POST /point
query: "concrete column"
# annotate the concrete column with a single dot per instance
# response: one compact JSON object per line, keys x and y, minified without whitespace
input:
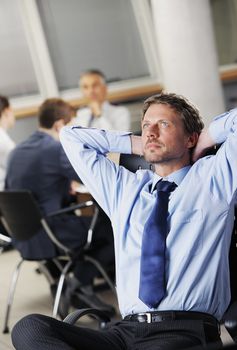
{"x":187,"y":53}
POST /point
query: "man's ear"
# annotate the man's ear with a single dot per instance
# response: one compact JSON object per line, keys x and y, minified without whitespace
{"x":57,"y":126}
{"x":192,"y":140}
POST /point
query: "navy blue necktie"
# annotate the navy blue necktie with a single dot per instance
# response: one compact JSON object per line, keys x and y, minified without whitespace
{"x":152,"y":272}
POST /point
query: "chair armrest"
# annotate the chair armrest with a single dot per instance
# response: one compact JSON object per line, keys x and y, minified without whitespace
{"x":71,"y":208}
{"x":5,"y":242}
{"x":65,"y":210}
{"x":5,"y":239}
{"x":99,"y":315}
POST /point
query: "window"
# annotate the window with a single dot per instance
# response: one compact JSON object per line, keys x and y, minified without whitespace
{"x":84,"y":34}
{"x":46,"y":44}
{"x":225,"y":27}
{"x":17,"y":73}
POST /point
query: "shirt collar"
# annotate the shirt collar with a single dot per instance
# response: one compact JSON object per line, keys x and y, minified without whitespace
{"x":177,"y":177}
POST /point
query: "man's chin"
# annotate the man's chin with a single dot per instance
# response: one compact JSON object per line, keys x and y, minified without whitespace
{"x":152,"y":158}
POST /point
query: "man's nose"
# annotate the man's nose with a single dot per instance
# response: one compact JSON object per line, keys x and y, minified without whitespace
{"x":153,"y":131}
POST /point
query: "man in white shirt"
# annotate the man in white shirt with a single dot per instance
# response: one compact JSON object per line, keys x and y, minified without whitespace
{"x":7,"y":120}
{"x":99,"y":113}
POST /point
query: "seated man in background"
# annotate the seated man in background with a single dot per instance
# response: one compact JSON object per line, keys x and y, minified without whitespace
{"x":40,"y":165}
{"x":99,"y":113}
{"x":172,"y":231}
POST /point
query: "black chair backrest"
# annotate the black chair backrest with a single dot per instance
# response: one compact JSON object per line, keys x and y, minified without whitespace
{"x":19,"y":210}
{"x":133,"y":162}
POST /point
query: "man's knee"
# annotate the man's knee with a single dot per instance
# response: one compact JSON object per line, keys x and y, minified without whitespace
{"x":28,"y":330}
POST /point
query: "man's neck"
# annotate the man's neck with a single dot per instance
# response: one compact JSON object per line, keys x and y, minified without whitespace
{"x":165,"y":169}
{"x":52,"y":132}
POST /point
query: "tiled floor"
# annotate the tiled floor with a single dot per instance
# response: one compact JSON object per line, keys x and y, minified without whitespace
{"x":32,"y":295}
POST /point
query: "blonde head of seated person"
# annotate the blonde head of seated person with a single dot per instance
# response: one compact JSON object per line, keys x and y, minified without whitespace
{"x":98,"y":112}
{"x":7,"y":121}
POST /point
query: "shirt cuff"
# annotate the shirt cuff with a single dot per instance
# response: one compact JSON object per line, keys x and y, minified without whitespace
{"x":120,"y":142}
{"x":223,"y":125}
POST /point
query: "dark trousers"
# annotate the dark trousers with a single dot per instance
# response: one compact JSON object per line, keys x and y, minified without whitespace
{"x":37,"y":332}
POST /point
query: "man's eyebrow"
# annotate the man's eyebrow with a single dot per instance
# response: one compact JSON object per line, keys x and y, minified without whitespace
{"x":146,"y":119}
{"x":161,"y":119}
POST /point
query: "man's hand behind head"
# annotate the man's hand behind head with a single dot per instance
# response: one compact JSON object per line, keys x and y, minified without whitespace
{"x":205,"y":142}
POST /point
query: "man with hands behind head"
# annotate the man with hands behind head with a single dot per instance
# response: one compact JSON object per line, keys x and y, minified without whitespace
{"x":172,"y":274}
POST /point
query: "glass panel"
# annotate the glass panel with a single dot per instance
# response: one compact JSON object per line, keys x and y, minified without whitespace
{"x":17,"y":74}
{"x":225,"y":27}
{"x":100,"y":34}
{"x":230,"y":95}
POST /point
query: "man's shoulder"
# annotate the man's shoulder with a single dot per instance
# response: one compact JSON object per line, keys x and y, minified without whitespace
{"x":83,"y":116}
{"x":202,"y":170}
{"x":21,"y":145}
{"x":38,"y":143}
{"x":83,"y":112}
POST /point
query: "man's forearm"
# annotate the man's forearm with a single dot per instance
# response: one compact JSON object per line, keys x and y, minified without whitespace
{"x":85,"y":141}
{"x":86,"y":149}
{"x":223,"y":125}
{"x":217,"y":132}
{"x":136,"y":142}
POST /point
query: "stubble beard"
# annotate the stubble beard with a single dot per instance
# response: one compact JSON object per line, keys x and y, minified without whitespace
{"x":154,"y":158}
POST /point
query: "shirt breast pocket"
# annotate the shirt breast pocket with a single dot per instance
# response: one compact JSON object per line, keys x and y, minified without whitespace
{"x":186,"y":228}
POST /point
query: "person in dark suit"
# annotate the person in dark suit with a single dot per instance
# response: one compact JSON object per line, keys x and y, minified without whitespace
{"x":40,"y":165}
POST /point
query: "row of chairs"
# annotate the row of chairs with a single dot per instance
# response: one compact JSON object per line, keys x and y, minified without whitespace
{"x":22,"y":219}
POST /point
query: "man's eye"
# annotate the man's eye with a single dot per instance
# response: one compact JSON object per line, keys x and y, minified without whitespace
{"x":145,"y":125}
{"x":164,"y":124}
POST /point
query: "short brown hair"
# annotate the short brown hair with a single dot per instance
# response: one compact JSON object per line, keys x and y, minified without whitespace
{"x":54,"y":109}
{"x":189,"y":114}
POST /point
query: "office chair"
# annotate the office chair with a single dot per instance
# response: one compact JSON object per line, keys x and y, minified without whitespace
{"x":134,"y":162}
{"x":21,"y":217}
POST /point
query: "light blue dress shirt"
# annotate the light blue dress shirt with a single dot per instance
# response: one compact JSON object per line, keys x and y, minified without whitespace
{"x":201,"y":215}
